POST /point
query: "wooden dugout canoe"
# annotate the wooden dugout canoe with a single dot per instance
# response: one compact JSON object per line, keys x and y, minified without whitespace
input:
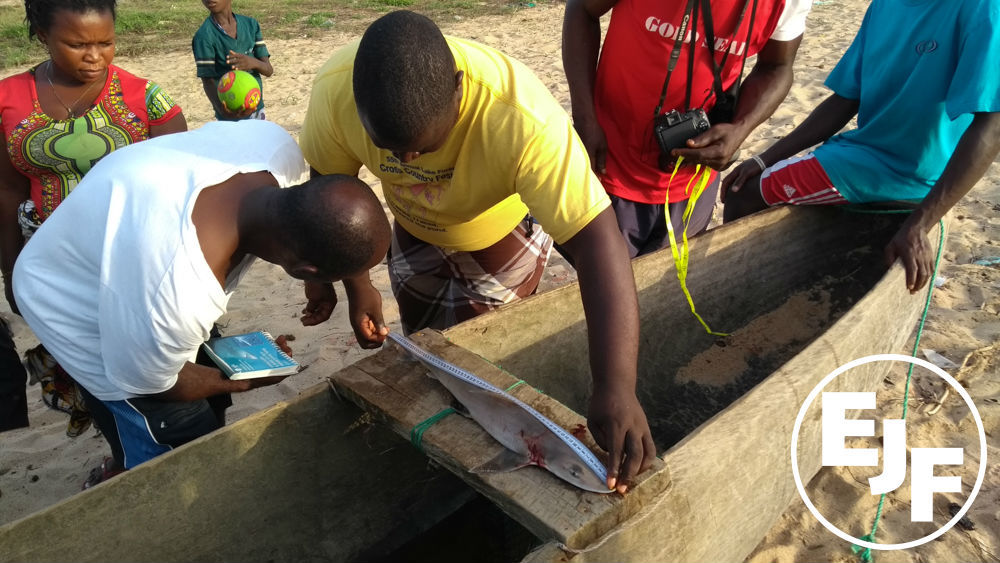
{"x":289,"y":483}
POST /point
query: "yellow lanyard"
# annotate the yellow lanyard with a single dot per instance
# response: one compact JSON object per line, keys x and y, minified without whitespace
{"x":700,"y":180}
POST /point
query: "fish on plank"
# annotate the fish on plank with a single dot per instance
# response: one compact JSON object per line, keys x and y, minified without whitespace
{"x":528,"y":436}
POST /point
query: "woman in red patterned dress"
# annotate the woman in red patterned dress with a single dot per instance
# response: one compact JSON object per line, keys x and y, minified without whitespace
{"x":59,"y":119}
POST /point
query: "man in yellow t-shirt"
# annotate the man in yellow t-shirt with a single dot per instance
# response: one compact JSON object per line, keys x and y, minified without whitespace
{"x":471,"y":150}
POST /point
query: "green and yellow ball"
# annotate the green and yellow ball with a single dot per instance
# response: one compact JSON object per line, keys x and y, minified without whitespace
{"x":238,"y":90}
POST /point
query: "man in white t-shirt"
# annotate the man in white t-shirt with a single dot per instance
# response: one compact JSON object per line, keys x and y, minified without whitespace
{"x":614,"y":101}
{"x":125,"y":280}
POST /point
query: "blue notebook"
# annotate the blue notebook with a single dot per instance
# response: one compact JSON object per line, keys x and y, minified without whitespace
{"x":246,"y":356}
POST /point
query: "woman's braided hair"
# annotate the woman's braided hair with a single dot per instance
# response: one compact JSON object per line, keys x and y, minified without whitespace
{"x":39,"y":13}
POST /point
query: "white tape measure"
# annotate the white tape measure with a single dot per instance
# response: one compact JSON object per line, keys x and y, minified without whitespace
{"x":577,"y":446}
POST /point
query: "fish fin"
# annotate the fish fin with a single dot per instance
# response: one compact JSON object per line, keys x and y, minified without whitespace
{"x":507,"y":460}
{"x":460,"y":408}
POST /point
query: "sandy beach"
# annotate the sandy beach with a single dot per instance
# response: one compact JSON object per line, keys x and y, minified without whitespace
{"x":40,"y":466}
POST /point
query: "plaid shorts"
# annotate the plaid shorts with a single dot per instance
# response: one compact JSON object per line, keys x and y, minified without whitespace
{"x":438,"y":288}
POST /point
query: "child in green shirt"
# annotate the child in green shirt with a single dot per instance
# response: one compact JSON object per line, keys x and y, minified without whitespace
{"x":228,"y":41}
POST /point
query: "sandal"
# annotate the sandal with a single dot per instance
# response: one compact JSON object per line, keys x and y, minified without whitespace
{"x":108,"y":469}
{"x":59,"y":391}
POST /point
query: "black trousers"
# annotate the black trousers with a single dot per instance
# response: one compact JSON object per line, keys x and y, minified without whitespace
{"x":13,"y":380}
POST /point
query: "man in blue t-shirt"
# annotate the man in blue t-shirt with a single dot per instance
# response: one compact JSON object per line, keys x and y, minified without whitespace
{"x":228,"y":41}
{"x":923,"y":78}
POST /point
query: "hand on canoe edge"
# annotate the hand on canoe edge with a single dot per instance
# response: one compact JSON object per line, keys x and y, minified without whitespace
{"x":914,"y":250}
{"x":619,"y":425}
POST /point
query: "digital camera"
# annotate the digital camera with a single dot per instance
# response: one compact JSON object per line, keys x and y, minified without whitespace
{"x":673,"y":129}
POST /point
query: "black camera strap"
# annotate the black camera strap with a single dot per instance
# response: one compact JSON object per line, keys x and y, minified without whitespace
{"x":676,"y":52}
{"x":692,"y":55}
{"x":706,"y":8}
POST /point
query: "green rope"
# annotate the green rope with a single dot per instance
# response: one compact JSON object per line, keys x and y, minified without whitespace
{"x":417,"y":432}
{"x":866,"y":555}
{"x":515,"y":385}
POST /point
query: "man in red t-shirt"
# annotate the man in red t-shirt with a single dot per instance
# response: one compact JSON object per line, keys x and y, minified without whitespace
{"x":614,"y":102}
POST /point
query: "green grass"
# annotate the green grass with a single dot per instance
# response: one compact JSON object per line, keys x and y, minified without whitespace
{"x":323,"y":19}
{"x":160,"y":26}
{"x":291,"y":16}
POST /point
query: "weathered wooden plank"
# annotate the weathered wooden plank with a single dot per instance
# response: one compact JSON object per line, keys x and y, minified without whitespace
{"x":398,"y":390}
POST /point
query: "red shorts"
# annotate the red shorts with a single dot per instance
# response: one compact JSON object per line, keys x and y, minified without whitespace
{"x":798,"y":181}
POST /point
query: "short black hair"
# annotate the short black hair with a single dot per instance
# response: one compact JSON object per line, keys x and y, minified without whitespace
{"x":404,"y":76}
{"x":336,"y":223}
{"x":38,"y":13}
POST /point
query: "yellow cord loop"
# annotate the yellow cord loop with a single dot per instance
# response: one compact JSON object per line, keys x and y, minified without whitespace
{"x":700,"y":180}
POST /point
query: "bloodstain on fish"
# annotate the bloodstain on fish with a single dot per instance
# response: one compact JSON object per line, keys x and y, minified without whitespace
{"x":535,"y":454}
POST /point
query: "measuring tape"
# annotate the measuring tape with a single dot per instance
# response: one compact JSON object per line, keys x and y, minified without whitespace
{"x":681,"y":255}
{"x":582,"y":451}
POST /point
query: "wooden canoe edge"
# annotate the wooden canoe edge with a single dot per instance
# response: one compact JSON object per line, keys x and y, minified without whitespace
{"x":731,"y":478}
{"x":240,"y":493}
